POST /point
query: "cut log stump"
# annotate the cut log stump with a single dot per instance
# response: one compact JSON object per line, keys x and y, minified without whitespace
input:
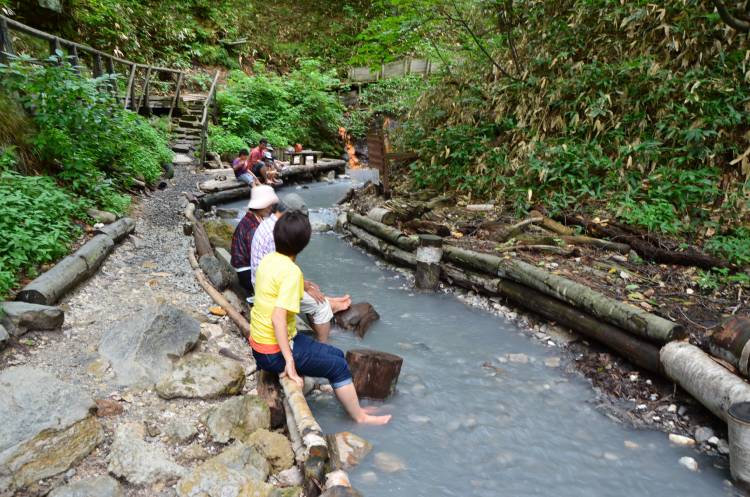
{"x":269,"y":389}
{"x":374,"y":373}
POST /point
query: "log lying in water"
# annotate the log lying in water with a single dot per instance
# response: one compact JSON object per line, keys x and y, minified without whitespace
{"x":387,"y":233}
{"x":389,"y":252}
{"x":374,"y":373}
{"x":695,"y":371}
{"x":639,"y":352}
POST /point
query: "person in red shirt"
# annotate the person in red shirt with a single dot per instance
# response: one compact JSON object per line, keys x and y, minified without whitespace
{"x":242,"y":171}
{"x":256,"y":154}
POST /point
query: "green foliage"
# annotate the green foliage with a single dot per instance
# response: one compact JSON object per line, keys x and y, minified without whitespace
{"x":714,"y":279}
{"x":296,"y":108}
{"x":93,"y":146}
{"x":224,"y":143}
{"x":36,"y":222}
{"x":735,"y":246}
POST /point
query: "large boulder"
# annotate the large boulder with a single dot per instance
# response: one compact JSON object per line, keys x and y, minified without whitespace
{"x":98,"y":486}
{"x":214,"y":271}
{"x":237,"y":418}
{"x":4,"y":336}
{"x":202,"y":376}
{"x":226,"y":474}
{"x":275,"y":447}
{"x":20,"y":317}
{"x":140,"y":347}
{"x":46,"y":426}
{"x":139,"y":462}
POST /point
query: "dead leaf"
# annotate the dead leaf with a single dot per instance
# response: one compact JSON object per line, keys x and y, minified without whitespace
{"x":217,"y":310}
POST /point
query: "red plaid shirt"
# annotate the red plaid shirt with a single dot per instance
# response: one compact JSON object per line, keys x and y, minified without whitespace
{"x":242,"y":240}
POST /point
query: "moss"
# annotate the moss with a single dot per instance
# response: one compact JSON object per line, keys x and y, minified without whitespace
{"x":219,"y":234}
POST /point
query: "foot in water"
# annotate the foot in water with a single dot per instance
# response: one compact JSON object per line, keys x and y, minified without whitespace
{"x":369,"y":419}
{"x":339,"y":304}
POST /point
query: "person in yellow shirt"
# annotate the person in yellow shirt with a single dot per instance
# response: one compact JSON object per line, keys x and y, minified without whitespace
{"x":277,"y":347}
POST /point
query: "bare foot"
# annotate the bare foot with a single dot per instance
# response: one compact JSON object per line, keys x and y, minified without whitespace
{"x":339,"y":304}
{"x":367,"y":419}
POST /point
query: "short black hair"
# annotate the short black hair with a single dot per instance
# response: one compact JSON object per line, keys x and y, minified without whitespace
{"x":291,"y":234}
{"x":263,"y":141}
{"x":244,"y":151}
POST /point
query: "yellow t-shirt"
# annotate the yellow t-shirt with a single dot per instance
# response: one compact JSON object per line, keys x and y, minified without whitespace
{"x":278,"y":283}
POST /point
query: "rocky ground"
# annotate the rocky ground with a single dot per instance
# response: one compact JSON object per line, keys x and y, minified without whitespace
{"x":624,"y":392}
{"x":123,"y":330}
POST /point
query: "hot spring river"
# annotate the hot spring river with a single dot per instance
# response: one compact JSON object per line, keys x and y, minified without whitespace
{"x":529,"y":430}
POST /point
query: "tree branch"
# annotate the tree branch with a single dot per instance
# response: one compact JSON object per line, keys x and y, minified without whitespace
{"x":730,"y":19}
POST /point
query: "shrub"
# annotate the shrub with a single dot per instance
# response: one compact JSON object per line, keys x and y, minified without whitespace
{"x":224,"y":143}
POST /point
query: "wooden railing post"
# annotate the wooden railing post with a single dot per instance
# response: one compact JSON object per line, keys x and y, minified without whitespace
{"x":6,"y":44}
{"x":74,"y":61}
{"x":113,"y":83}
{"x":145,"y":91}
{"x":55,"y":48}
{"x":97,"y":67}
{"x":204,"y":118}
{"x":176,"y":95}
{"x":130,"y":91}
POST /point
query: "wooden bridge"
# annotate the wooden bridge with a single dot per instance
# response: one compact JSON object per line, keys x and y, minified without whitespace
{"x":138,"y":94}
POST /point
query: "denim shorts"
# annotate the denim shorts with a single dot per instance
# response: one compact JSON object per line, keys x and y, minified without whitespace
{"x":311,"y":358}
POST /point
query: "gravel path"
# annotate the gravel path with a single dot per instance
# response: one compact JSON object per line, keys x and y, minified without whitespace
{"x":148,"y":267}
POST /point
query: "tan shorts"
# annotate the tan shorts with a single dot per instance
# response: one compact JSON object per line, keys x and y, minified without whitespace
{"x":319,"y":313}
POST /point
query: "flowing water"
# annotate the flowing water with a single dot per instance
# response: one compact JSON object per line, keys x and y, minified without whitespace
{"x":460,"y":429}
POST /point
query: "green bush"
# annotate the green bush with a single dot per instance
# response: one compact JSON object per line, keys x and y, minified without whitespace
{"x":36,"y":220}
{"x":295,"y":108}
{"x":84,"y":137}
{"x":224,"y":143}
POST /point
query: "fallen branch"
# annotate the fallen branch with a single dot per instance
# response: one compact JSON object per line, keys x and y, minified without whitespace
{"x":552,"y":225}
{"x":551,"y":249}
{"x":622,"y":248}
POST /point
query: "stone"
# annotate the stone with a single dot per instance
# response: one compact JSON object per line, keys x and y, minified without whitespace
{"x":340,"y":491}
{"x":140,"y":347}
{"x":211,"y":331}
{"x":552,"y":362}
{"x":722,"y":446}
{"x":351,"y":448}
{"x":214,"y":271}
{"x":194,"y":452}
{"x":680,"y":439}
{"x":53,"y":5}
{"x":139,"y":462}
{"x":98,"y":486}
{"x":227,"y":213}
{"x":337,"y":478}
{"x":107,"y":407}
{"x":713,"y":441}
{"x":20,"y":317}
{"x":225,"y":475}
{"x":202,"y":376}
{"x":518,"y":358}
{"x":629,"y":444}
{"x":46,"y":426}
{"x":703,"y":433}
{"x":4,"y":336}
{"x":103,"y":217}
{"x":291,"y":477}
{"x":255,"y":488}
{"x":286,"y":492}
{"x":179,"y":430}
{"x":237,"y":418}
{"x":689,"y":463}
{"x":219,"y":233}
{"x":389,"y":463}
{"x":275,"y":447}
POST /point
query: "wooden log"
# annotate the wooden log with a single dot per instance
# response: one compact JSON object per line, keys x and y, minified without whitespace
{"x":732,"y":343}
{"x":384,"y":232}
{"x":118,"y":230}
{"x":429,"y":253}
{"x":550,"y":249}
{"x":217,"y":297}
{"x":581,"y":240}
{"x":694,"y":370}
{"x":213,"y":185}
{"x":176,"y":100}
{"x":269,"y":389}
{"x":382,"y":215}
{"x":387,"y":251}
{"x":357,"y":318}
{"x":486,"y":263}
{"x":130,"y":89}
{"x":211,"y":199}
{"x":202,"y":243}
{"x":638,"y":352}
{"x":374,"y":373}
{"x":501,"y":233}
{"x":52,"y":285}
{"x":552,"y":225}
{"x":626,"y":316}
{"x":95,"y":251}
{"x":294,"y":437}
{"x":98,"y":67}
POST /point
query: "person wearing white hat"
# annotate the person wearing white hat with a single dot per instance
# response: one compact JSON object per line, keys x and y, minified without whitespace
{"x":262,"y":200}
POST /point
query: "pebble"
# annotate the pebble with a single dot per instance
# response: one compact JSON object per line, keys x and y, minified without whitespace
{"x":633,"y":377}
{"x":722,"y":446}
{"x":369,"y":477}
{"x":609,"y":456}
{"x":629,"y":444}
{"x":703,"y":434}
{"x":518,"y":358}
{"x":672,"y":408}
{"x":689,"y":463}
{"x":680,"y":439}
{"x":713,"y":441}
{"x":552,"y":362}
{"x":389,"y":463}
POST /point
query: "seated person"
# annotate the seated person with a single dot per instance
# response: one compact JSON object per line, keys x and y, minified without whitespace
{"x":256,"y":154}
{"x":240,"y":168}
{"x":277,"y":347}
{"x":262,"y":199}
{"x":319,"y":307}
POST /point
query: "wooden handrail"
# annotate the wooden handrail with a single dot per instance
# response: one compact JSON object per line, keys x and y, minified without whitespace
{"x":204,"y":117}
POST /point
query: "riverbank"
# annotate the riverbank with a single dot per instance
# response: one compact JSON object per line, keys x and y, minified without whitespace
{"x":626,"y":392}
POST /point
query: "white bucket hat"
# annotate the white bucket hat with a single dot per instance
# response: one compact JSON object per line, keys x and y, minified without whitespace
{"x":261,"y":197}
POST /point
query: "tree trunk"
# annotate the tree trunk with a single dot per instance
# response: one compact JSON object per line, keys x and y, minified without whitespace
{"x":118,"y":230}
{"x":374,"y":373}
{"x":382,"y":215}
{"x":211,"y":199}
{"x":622,"y":248}
{"x":552,"y":225}
{"x":694,"y":370}
{"x":269,"y":389}
{"x":638,"y":352}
